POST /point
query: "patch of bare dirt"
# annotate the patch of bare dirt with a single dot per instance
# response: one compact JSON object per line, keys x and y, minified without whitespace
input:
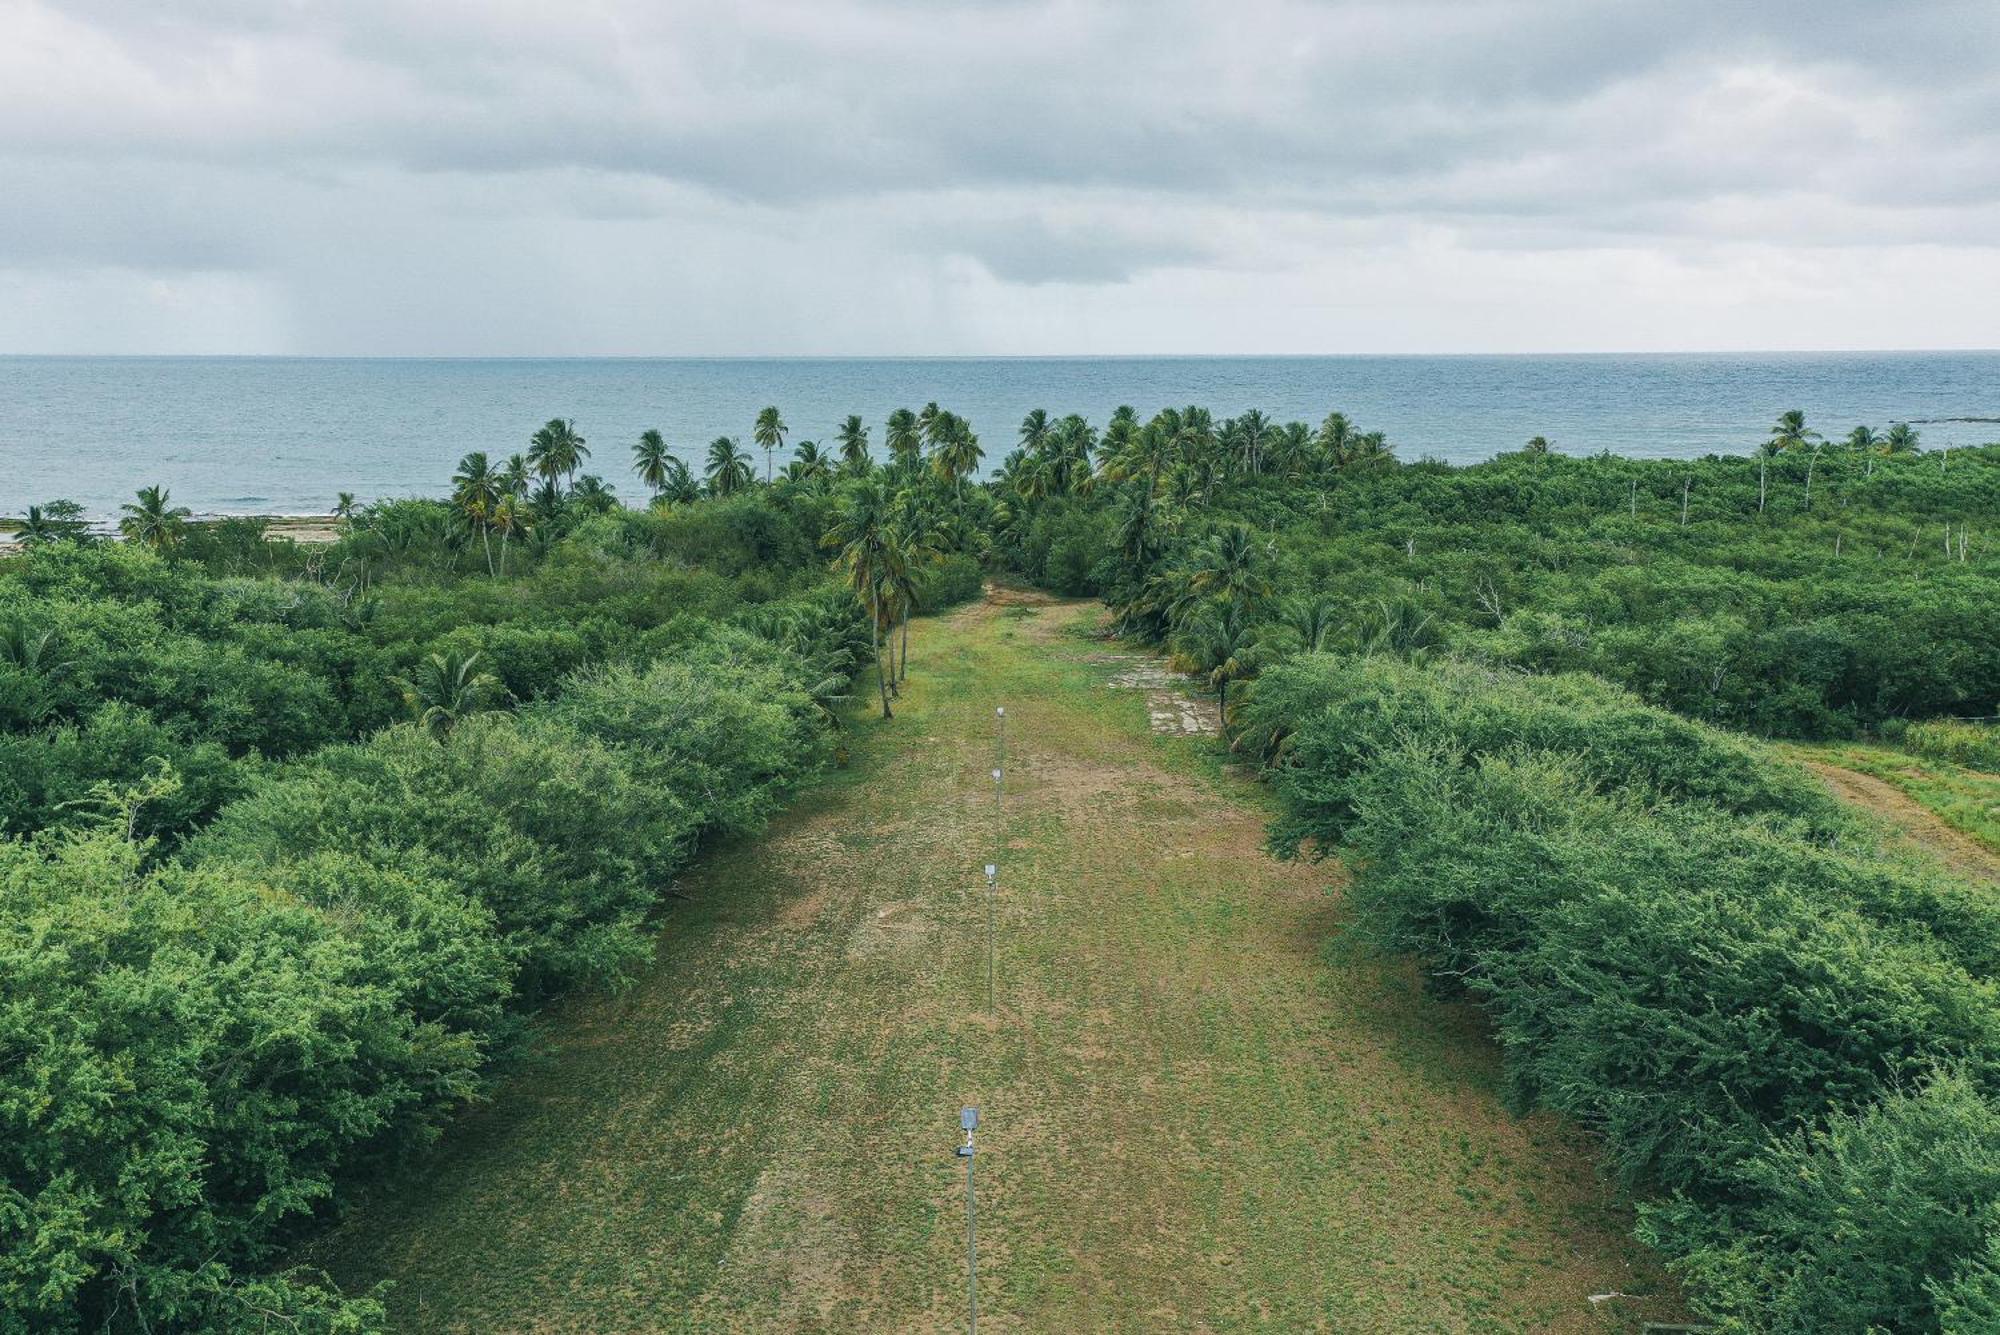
{"x":1007,"y":595}
{"x":1960,"y":852}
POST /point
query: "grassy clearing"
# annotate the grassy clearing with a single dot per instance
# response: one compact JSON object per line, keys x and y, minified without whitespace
{"x":1949,"y":809}
{"x":1199,"y":1115}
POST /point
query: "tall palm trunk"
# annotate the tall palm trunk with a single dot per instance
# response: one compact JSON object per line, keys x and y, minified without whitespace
{"x":904,"y":671}
{"x":875,"y":642}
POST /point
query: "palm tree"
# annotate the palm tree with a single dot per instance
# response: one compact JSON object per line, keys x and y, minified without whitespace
{"x":1197,"y":439}
{"x":1311,"y":619}
{"x":32,"y":654}
{"x":927,"y":423}
{"x":1146,"y":451}
{"x":679,"y":486}
{"x":1863,"y":439}
{"x":1027,"y":476}
{"x":1293,"y":448}
{"x":343,"y":507}
{"x":1035,"y":430}
{"x":853,"y":436}
{"x":594,"y":495}
{"x":958,"y":452}
{"x":546,"y":501}
{"x":1901,"y":439}
{"x":1221,"y":644}
{"x":514,"y":477}
{"x":1230,"y":567}
{"x":556,"y":450}
{"x":918,"y":538}
{"x":37,"y":528}
{"x":1399,"y":625}
{"x":1137,"y":528}
{"x":905,"y":435}
{"x":770,"y":433}
{"x":1345,"y":447}
{"x":29,"y":651}
{"x":445,"y":690}
{"x":1118,"y":432}
{"x":729,"y":467}
{"x":475,"y":490}
{"x":1790,"y":433}
{"x":153,"y":521}
{"x":1536,"y":445}
{"x":862,"y":535}
{"x":1370,"y":449}
{"x":810,"y":465}
{"x":1070,"y":443}
{"x":508,"y":519}
{"x":1253,"y":436}
{"x":1336,"y":434}
{"x":649,"y":460}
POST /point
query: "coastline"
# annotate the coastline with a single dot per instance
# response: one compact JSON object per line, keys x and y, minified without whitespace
{"x":308,"y":530}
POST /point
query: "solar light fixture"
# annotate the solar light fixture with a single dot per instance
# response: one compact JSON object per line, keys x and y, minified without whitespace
{"x":968,"y":1119}
{"x":996,"y":774}
{"x":991,"y":871}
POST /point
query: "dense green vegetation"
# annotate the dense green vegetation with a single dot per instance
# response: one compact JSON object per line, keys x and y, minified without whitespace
{"x":1961,"y":743}
{"x":1721,"y":588}
{"x":1493,"y":690}
{"x":298,"y":837}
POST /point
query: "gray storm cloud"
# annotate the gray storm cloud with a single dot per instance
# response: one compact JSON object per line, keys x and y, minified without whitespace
{"x":902,"y":177}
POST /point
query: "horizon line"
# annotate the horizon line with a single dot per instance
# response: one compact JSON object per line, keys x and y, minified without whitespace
{"x":979,"y":356}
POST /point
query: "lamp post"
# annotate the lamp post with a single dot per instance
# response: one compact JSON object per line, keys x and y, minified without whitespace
{"x":968,"y":1119}
{"x":992,"y":895}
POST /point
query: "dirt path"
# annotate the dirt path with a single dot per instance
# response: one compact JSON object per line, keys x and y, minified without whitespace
{"x":1962,"y":853}
{"x":1198,"y":1115}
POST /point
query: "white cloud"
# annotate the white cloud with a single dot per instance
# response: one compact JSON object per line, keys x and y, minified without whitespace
{"x":1068,"y":175}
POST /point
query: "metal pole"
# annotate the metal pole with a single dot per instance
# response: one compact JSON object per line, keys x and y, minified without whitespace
{"x":971,"y":1252}
{"x":968,"y":1119}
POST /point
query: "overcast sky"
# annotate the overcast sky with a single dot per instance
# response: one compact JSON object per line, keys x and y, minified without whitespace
{"x":904,"y":176}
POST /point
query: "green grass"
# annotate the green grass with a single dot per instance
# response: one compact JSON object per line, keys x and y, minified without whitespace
{"x":1202,"y":1110}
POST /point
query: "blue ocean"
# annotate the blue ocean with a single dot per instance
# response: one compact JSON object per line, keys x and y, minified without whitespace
{"x":230,"y":435}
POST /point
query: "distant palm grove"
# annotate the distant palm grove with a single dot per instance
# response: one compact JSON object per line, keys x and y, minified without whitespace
{"x":299,"y":837}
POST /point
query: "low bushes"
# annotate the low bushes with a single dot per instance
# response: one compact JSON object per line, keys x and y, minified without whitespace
{"x":953,"y":580}
{"x":1789,"y":1042}
{"x":200,"y":1053}
{"x":192,"y":1053}
{"x":1969,"y":744}
{"x":1329,"y":715}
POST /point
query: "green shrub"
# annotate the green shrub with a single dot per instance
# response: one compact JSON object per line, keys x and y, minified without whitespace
{"x":546,"y":828}
{"x":955,"y":579}
{"x":1886,"y":1218}
{"x":721,"y":731}
{"x":54,"y":778}
{"x":1683,"y":946}
{"x":194,"y":1054}
{"x":1973,"y":745}
{"x":1322,"y":718}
